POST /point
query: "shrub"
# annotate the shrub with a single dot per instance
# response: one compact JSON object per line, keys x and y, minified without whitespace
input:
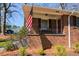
{"x":41,"y":52}
{"x":76,"y":47}
{"x":60,"y":50}
{"x":7,"y":45}
{"x":22,"y":33}
{"x":22,"y":51}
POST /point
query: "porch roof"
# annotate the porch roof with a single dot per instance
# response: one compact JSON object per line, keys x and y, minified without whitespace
{"x":48,"y":11}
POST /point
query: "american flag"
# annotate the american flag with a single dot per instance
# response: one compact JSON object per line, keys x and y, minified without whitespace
{"x":29,"y":20}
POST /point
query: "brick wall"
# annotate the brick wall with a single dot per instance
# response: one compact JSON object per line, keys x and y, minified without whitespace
{"x":74,"y":31}
{"x":47,"y":41}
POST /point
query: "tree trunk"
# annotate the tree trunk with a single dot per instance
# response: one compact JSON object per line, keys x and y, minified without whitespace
{"x":0,"y":25}
{"x":4,"y":19}
{"x":0,"y":21}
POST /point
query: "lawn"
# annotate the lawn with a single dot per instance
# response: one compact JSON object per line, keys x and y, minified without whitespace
{"x":6,"y":44}
{"x":3,"y":43}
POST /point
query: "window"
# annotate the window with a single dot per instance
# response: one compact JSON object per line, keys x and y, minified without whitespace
{"x":77,"y":21}
{"x":44,"y":24}
{"x":50,"y":26}
{"x":73,"y":21}
{"x":56,"y":27}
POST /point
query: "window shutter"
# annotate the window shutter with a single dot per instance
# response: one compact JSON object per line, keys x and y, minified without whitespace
{"x":39,"y":23}
{"x":50,"y":24}
{"x":59,"y":26}
{"x":74,"y":20}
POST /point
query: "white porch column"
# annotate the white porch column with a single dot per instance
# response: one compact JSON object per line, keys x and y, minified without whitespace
{"x":69,"y":41}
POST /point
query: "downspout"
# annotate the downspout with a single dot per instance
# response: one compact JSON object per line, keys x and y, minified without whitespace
{"x":69,"y":35}
{"x":69,"y":42}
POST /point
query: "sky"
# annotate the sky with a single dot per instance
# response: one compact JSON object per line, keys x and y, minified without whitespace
{"x":18,"y":18}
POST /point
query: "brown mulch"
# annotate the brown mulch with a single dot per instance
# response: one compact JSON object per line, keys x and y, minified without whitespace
{"x":4,"y":36}
{"x":32,"y":52}
{"x":9,"y":53}
{"x":71,"y":52}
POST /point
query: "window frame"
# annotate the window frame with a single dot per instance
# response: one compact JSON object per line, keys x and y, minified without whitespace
{"x":48,"y":30}
{"x":47,"y":25}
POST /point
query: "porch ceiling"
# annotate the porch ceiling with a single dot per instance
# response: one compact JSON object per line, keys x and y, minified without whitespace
{"x":39,"y":12}
{"x":46,"y":16}
{"x":76,"y":14}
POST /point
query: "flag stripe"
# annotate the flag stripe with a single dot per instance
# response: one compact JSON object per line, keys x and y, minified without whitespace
{"x":29,"y":22}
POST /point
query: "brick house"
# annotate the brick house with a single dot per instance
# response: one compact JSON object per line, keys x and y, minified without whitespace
{"x":52,"y":26}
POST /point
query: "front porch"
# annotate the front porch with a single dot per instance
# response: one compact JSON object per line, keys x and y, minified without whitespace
{"x":51,"y":26}
{"x":47,"y":23}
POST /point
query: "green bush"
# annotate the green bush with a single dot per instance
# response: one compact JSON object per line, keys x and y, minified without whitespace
{"x":22,"y":33}
{"x":7,"y":45}
{"x":41,"y":52}
{"x":60,"y":50}
{"x":76,"y":47}
{"x":22,"y":51}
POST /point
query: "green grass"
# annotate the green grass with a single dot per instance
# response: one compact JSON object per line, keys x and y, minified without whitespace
{"x":6,"y":44}
{"x":2,"y":44}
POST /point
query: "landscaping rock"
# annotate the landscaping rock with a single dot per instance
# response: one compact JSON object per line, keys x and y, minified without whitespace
{"x":16,"y":44}
{"x":2,"y":49}
{"x":24,"y":42}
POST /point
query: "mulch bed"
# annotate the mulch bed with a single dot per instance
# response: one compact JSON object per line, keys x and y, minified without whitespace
{"x":4,"y":36}
{"x":31,"y":52}
{"x":9,"y":53}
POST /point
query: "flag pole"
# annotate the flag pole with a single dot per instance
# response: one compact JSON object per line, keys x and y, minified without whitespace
{"x":69,"y":35}
{"x":29,"y":30}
